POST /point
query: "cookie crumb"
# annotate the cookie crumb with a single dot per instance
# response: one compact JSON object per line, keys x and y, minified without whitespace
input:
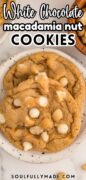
{"x":83,"y":167}
{"x":43,"y":152}
{"x":61,"y":176}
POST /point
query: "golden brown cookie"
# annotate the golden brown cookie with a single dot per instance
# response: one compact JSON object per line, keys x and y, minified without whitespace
{"x":1,"y":13}
{"x":39,"y":114}
{"x":56,"y":67}
{"x":80,"y":36}
{"x":2,"y":20}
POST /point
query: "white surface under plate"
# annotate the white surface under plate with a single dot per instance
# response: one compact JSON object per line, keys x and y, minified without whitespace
{"x":3,"y":34}
{"x":32,"y":156}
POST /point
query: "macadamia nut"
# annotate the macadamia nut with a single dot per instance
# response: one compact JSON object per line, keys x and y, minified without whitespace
{"x":27,"y":146}
{"x":36,"y":130}
{"x":57,"y":115}
{"x":45,"y":136}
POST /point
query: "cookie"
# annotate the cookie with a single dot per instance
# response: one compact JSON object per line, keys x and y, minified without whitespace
{"x":56,"y":67}
{"x":39,"y":114}
{"x":2,"y":20}
{"x":1,"y":13}
{"x":80,"y":36}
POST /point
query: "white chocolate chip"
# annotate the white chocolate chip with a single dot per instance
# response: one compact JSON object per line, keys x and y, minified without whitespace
{"x":41,"y":74}
{"x":27,"y":146}
{"x":63,"y":128}
{"x":2,"y":119}
{"x":61,"y":95}
{"x":57,"y":115}
{"x":17,"y":103}
{"x":64,"y":81}
{"x":45,"y":136}
{"x":36,"y":130}
{"x":43,"y":101}
{"x":34,"y":113}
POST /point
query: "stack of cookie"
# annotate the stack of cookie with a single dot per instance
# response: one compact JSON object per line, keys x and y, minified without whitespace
{"x":44,"y":99}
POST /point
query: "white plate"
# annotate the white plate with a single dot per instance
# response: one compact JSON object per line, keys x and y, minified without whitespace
{"x":36,"y":157}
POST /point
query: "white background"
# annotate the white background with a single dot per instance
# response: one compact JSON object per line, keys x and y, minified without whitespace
{"x":10,"y":165}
